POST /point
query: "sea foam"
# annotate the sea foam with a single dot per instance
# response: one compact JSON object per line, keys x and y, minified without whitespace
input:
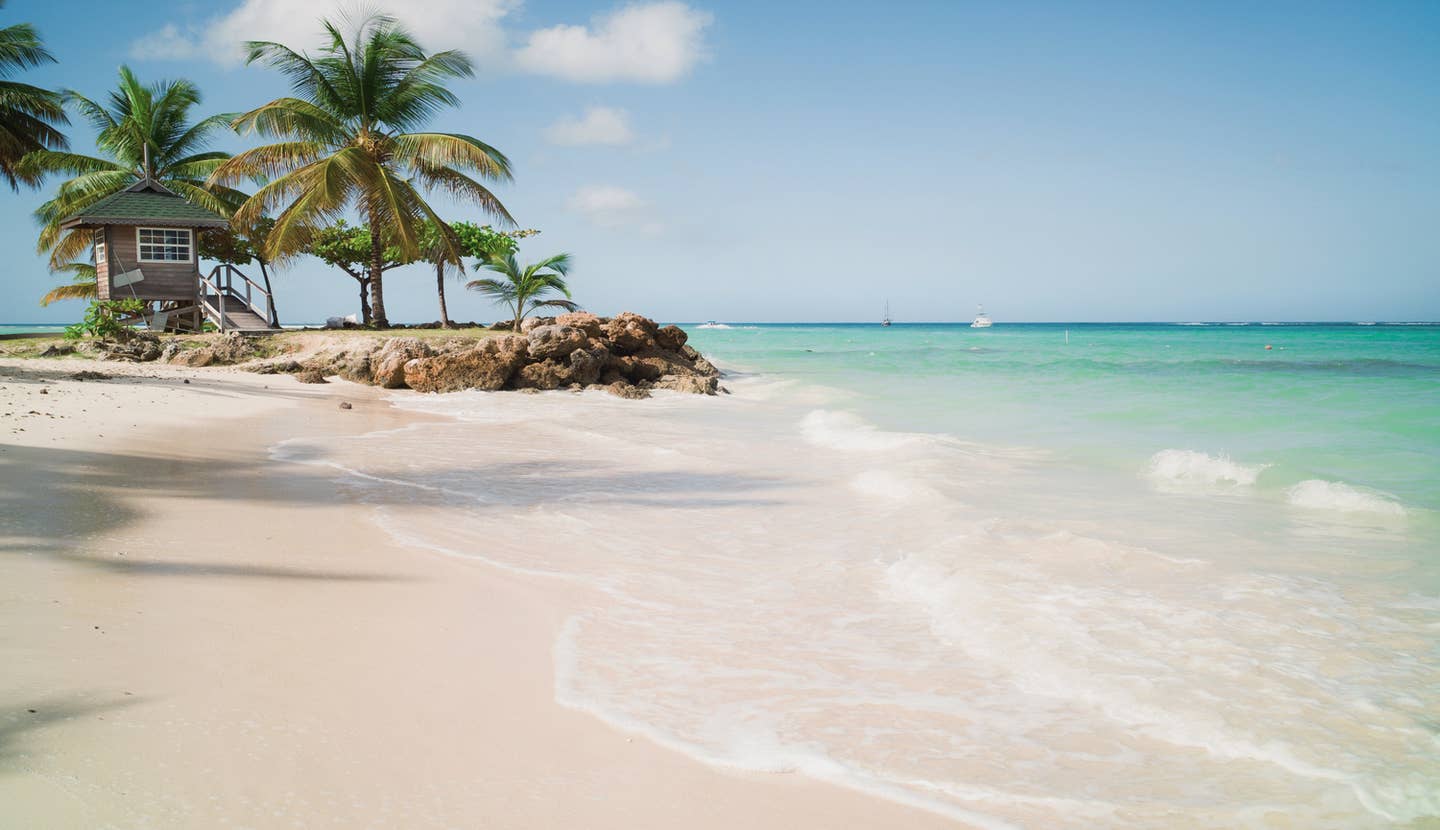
{"x":1186,"y":469}
{"x":1339,"y":497}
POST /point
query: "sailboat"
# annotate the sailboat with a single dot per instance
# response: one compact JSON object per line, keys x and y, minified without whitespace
{"x":886,"y":320}
{"x":982,"y":320}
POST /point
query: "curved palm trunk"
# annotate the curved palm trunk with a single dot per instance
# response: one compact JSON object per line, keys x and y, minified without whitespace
{"x":265,"y":275}
{"x":440,"y":287}
{"x":364,"y":301}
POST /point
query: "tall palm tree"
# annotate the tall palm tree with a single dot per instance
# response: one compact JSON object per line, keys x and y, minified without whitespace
{"x":29,"y":115}
{"x":523,"y":290}
{"x":144,"y":131}
{"x":348,"y":141}
{"x":81,"y":287}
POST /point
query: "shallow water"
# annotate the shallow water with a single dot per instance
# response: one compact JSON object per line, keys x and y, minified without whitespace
{"x":1157,"y":577}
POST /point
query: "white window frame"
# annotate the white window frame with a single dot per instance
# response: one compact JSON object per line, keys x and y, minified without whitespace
{"x":99,"y":241}
{"x":140,"y":247}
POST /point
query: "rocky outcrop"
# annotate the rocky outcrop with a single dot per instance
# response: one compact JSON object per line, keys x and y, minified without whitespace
{"x":627,"y":355}
{"x":488,"y":365}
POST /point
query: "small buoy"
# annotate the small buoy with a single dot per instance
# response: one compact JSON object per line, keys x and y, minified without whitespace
{"x":1268,"y":347}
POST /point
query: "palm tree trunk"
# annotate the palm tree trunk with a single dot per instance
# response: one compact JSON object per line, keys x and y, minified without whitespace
{"x":364,"y":300}
{"x":265,"y":275}
{"x":440,"y":287}
{"x":377,"y":274}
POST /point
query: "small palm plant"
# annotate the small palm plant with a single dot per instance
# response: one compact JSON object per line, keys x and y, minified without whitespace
{"x":524,"y":290}
{"x":81,"y":287}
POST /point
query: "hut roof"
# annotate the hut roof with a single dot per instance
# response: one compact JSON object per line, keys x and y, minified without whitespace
{"x":145,"y":203}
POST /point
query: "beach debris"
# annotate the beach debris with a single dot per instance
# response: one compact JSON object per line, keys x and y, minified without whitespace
{"x":57,"y":350}
{"x":44,"y":391}
{"x":346,"y":405}
{"x":187,"y":380}
{"x":88,"y":375}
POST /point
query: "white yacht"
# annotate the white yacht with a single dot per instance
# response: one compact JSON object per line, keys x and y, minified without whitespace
{"x":982,"y":320}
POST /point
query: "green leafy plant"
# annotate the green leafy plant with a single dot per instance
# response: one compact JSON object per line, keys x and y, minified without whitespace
{"x":523,"y":289}
{"x":104,"y":319}
{"x":29,"y":116}
{"x":477,"y":241}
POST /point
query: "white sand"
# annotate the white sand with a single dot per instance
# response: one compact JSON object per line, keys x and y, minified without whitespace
{"x":208,"y":638}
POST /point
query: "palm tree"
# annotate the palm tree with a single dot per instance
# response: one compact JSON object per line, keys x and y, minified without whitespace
{"x":522,"y":290}
{"x":144,"y":132}
{"x":29,"y":115}
{"x":82,"y":287}
{"x":347,"y":141}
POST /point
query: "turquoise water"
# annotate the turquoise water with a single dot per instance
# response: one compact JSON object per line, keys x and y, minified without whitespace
{"x":1156,"y":577}
{"x":1356,"y":404}
{"x":38,"y":328}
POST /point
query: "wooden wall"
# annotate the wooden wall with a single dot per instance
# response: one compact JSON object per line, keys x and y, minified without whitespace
{"x":163,"y":280}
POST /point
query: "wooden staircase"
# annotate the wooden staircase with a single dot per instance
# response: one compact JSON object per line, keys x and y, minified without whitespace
{"x":228,"y":299}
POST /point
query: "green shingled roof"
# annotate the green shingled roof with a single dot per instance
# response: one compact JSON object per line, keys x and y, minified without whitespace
{"x":145,"y":207}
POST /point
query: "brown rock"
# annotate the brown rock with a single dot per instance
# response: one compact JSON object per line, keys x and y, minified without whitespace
{"x":671,"y":338}
{"x":527,"y":326}
{"x":387,"y":366}
{"x":488,"y":365}
{"x":586,"y":365}
{"x":695,"y":384}
{"x":547,"y":374}
{"x":554,"y":341}
{"x":621,"y":389}
{"x":628,"y":333}
{"x":311,"y":376}
{"x":583,"y":320}
{"x":195,"y":357}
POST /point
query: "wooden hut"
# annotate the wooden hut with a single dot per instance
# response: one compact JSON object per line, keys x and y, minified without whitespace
{"x":147,"y":249}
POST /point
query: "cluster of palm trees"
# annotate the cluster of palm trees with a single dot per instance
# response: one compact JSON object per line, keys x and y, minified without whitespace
{"x":351,"y":140}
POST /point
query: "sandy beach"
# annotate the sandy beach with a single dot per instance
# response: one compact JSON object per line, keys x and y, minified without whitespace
{"x":198,"y":635}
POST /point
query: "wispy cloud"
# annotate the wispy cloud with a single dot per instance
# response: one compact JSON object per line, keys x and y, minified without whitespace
{"x":599,"y":125}
{"x":654,"y":43}
{"x":657,"y":42}
{"x":609,"y":206}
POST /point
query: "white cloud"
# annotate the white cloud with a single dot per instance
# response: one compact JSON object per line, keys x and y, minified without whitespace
{"x":169,"y":43}
{"x":645,"y":42}
{"x":599,"y":125}
{"x":608,"y":206}
{"x":472,"y":25}
{"x":657,"y":42}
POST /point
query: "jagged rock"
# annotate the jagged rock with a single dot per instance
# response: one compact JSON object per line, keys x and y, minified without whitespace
{"x":585,"y":321}
{"x":57,"y":350}
{"x":234,"y":348}
{"x":488,"y":365}
{"x":387,"y":366}
{"x":283,"y":367}
{"x":586,"y":366}
{"x":311,"y":376}
{"x":629,"y":333}
{"x":554,"y":341}
{"x":694,"y":384}
{"x":689,"y":353}
{"x":503,"y":325}
{"x":138,"y":347}
{"x":547,"y":374}
{"x":706,"y":368}
{"x":621,"y":389}
{"x":193,"y":357}
{"x":634,"y":369}
{"x":169,"y":351}
{"x":356,"y":369}
{"x":671,"y":338}
{"x":527,"y":326}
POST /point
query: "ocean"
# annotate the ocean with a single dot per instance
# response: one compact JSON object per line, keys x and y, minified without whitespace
{"x":1061,"y":576}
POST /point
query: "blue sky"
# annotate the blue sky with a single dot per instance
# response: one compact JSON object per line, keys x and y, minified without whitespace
{"x":810,"y":160}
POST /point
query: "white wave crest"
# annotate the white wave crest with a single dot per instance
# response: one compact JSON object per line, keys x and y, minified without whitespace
{"x":1316,"y":494}
{"x":847,"y":431}
{"x":1184,"y":469}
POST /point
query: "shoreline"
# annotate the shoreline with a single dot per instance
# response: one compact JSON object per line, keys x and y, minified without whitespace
{"x":283,"y":666}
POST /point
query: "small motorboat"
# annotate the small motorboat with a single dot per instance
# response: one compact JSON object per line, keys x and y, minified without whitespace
{"x":982,"y":320}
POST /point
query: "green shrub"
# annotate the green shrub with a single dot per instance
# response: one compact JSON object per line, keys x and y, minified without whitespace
{"x":102,"y":319}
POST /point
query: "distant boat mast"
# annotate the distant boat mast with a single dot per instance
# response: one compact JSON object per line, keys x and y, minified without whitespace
{"x":886,"y":320}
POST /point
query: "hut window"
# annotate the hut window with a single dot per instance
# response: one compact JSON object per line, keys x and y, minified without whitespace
{"x":163,"y":244}
{"x":100,"y":247}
